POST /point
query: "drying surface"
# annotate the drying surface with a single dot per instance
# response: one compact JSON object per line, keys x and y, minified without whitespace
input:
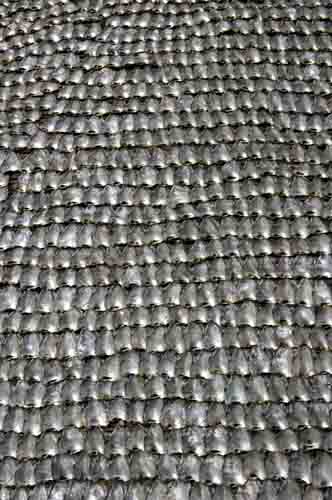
{"x":165,"y":250}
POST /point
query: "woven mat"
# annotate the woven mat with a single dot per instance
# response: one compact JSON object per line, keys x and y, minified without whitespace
{"x":165,"y":250}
